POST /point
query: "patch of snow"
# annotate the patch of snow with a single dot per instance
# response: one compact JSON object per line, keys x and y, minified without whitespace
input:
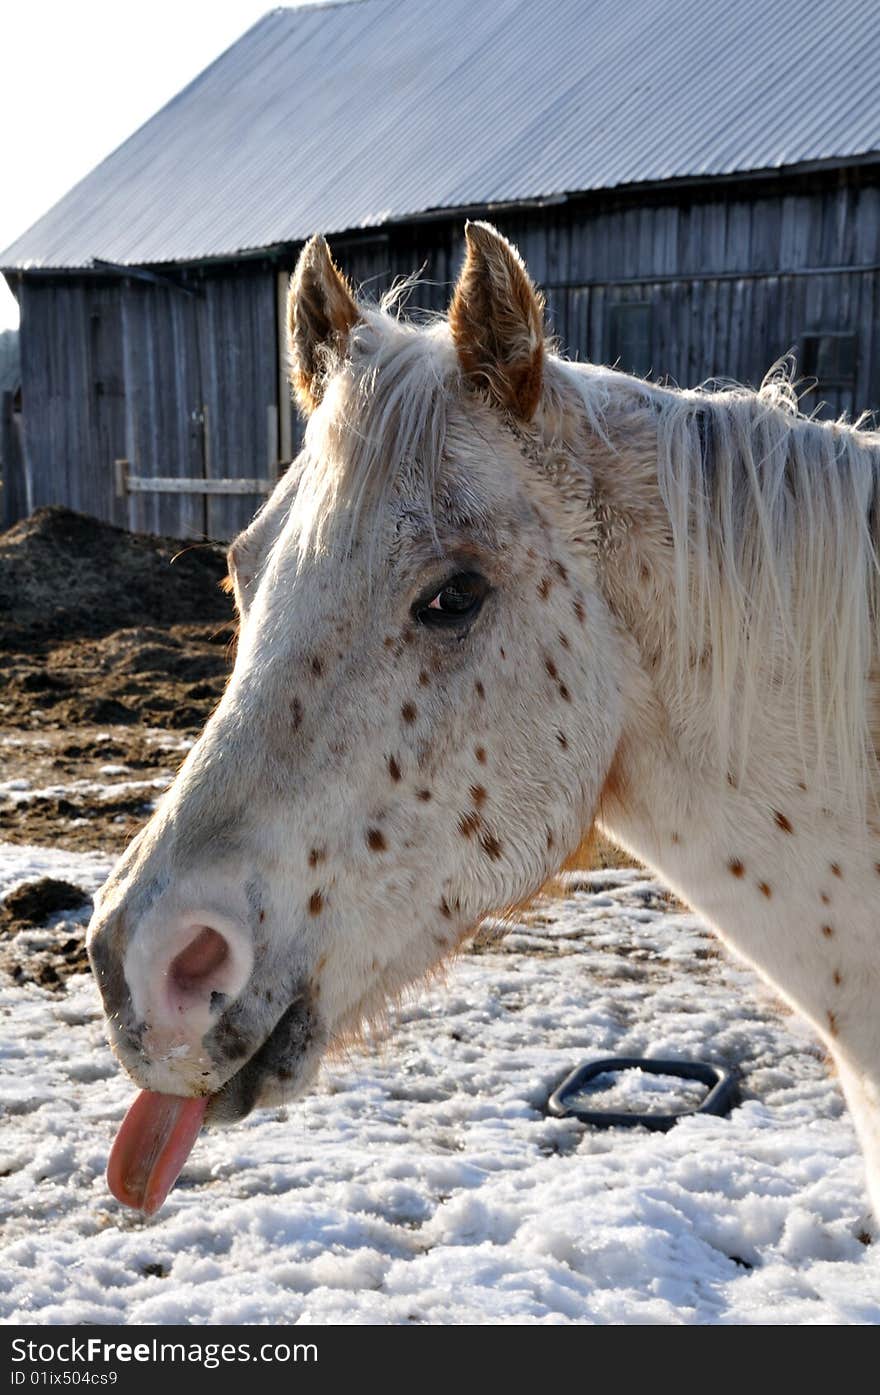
{"x":20,"y":792}
{"x":426,"y":1183}
{"x":23,"y":862}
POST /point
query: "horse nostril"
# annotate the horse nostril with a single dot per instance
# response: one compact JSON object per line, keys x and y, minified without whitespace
{"x":196,"y":966}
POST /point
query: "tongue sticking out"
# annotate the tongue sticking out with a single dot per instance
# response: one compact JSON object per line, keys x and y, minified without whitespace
{"x":154,"y":1141}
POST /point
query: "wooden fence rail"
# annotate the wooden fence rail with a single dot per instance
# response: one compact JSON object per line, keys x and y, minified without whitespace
{"x":127,"y":483}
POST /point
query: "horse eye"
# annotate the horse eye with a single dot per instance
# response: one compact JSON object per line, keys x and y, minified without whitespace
{"x":457,"y":601}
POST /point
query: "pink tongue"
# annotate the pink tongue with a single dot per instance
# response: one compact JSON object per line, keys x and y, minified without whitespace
{"x":154,"y":1141}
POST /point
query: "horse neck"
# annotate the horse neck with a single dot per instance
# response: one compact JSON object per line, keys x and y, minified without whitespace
{"x":786,"y":880}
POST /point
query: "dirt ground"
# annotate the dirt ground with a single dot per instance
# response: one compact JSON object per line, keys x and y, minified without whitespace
{"x":114,"y":649}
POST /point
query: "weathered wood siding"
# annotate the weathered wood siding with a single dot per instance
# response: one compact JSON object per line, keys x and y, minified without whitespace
{"x":178,"y":381}
{"x":687,"y":284}
{"x":13,"y":483}
{"x":733,"y":279}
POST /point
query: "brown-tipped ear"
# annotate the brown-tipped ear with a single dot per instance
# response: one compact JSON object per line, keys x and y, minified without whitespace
{"x":497,"y":322}
{"x":321,"y":313}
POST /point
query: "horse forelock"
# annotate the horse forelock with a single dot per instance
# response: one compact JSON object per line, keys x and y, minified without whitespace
{"x":385,"y":414}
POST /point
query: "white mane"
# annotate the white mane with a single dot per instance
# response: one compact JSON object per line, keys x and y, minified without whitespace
{"x":774,"y":526}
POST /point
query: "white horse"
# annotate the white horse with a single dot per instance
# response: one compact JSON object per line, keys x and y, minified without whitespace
{"x":498,"y":597}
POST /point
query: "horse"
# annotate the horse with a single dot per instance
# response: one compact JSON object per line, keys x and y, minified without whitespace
{"x":498,"y":599}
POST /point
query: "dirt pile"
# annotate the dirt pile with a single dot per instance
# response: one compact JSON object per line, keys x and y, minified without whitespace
{"x":114,"y":649}
{"x":42,"y":932}
{"x":64,"y":575}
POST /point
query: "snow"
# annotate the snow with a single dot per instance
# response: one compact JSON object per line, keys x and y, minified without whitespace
{"x":21,"y":792}
{"x":423,"y":1181}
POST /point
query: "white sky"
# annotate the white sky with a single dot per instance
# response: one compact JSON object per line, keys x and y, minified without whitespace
{"x":77,"y":78}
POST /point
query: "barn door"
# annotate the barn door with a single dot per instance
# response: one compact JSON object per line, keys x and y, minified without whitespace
{"x":240,"y":381}
{"x":165,"y":406}
{"x":95,"y":492}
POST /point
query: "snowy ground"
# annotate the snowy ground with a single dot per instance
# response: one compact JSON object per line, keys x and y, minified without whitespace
{"x":425,"y":1183}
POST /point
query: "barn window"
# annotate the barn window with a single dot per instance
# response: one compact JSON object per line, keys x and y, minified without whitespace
{"x":830,"y":356}
{"x":630,"y":337}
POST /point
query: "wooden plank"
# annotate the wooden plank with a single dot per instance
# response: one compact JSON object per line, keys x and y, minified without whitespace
{"x":240,"y":377}
{"x":285,"y":401}
{"x":13,"y":485}
{"x":181,"y":484}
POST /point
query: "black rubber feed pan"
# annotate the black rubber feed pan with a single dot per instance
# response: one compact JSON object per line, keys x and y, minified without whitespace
{"x":568,"y":1101}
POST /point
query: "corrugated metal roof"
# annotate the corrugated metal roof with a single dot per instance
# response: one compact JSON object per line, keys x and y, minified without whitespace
{"x":353,"y":115}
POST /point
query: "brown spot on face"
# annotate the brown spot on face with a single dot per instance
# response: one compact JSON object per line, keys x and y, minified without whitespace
{"x":321,"y":964}
{"x":877,"y":868}
{"x":765,"y":890}
{"x":480,"y":690}
{"x":835,"y":869}
{"x":444,"y":908}
{"x":409,"y":712}
{"x":480,"y":754}
{"x":801,"y":786}
{"x":560,"y":571}
{"x":424,"y":678}
{"x":736,"y":868}
{"x":317,"y":666}
{"x":832,"y":1023}
{"x":315,"y":856}
{"x":468,"y":824}
{"x":563,"y":640}
{"x":439,"y":941}
{"x":394,"y":769}
{"x":828,"y":931}
{"x":376,"y":840}
{"x":551,"y":668}
{"x":564,"y":693}
{"x":423,"y":795}
{"x":837,"y":978}
{"x":579,"y":609}
{"x":562,"y":739}
{"x":782,"y":822}
{"x":550,"y":839}
{"x":645,"y":572}
{"x":824,"y":898}
{"x":491,"y":846}
{"x":544,"y":587}
{"x":316,"y":903}
{"x":389,"y":641}
{"x":262,"y":916}
{"x":675,"y":838}
{"x":477,"y":794}
{"x":502,"y":653}
{"x":296,"y":714}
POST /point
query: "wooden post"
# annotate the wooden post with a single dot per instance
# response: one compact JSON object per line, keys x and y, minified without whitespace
{"x":285,"y":405}
{"x":272,"y":451}
{"x":121,"y":468}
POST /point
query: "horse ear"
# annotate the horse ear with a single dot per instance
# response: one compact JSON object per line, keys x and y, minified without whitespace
{"x":321,"y":313}
{"x":497,"y":322}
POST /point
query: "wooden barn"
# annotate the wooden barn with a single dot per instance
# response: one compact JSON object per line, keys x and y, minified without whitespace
{"x":697,"y":189}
